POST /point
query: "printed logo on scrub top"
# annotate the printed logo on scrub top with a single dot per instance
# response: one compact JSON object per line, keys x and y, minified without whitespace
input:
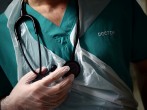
{"x":106,"y":33}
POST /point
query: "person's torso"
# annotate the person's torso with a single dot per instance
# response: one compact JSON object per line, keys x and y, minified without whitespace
{"x":108,"y":38}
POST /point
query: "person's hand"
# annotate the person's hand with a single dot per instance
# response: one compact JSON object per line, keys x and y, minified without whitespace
{"x":39,"y":95}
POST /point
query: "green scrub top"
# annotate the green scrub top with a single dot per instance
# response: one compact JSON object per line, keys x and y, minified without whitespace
{"x":117,"y":36}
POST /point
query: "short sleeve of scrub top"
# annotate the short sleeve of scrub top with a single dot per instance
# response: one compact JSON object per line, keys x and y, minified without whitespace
{"x":106,"y":45}
{"x":139,"y":40}
{"x":8,"y":69}
{"x":55,"y":38}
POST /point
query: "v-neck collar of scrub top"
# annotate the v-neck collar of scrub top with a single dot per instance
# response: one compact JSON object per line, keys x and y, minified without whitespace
{"x":66,"y":25}
{"x":55,"y":38}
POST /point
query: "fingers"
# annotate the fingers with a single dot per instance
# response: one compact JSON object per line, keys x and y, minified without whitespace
{"x":58,"y":101}
{"x":55,"y":91}
{"x":60,"y":91}
{"x":54,"y":76}
{"x":29,"y":77}
{"x":53,"y":96}
{"x":63,"y":85}
{"x":59,"y":97}
{"x":38,"y":94}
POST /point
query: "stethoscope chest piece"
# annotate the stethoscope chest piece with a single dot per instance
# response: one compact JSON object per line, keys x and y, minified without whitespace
{"x":74,"y":68}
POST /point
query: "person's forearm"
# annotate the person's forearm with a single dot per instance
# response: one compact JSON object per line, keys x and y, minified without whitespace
{"x":143,"y":92}
{"x":2,"y":104}
{"x":141,"y":68}
{"x":142,"y":81}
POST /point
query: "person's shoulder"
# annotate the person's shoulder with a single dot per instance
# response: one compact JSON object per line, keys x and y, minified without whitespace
{"x":3,"y":22}
{"x":4,"y":31}
{"x":3,"y":19}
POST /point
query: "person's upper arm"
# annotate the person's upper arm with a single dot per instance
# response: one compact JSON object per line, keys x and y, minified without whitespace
{"x":141,"y":68}
{"x":5,"y":86}
{"x":139,"y":39}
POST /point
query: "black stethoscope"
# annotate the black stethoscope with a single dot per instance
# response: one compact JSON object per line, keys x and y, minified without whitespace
{"x":74,"y":66}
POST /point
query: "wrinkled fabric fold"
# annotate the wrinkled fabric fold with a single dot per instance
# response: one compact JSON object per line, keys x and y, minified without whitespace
{"x":97,"y":87}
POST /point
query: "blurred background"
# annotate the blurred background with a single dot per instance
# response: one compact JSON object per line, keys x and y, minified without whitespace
{"x":4,"y":4}
{"x":143,"y":4}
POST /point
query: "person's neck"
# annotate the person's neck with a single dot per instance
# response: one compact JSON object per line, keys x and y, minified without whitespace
{"x":51,"y":9}
{"x":52,"y":3}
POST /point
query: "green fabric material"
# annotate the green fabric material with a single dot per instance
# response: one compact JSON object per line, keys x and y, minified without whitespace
{"x":55,"y":38}
{"x":109,"y":38}
{"x":7,"y":54}
{"x":58,"y":40}
{"x":139,"y":45}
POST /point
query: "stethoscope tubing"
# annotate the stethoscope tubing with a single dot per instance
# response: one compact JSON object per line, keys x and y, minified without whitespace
{"x":75,"y":67}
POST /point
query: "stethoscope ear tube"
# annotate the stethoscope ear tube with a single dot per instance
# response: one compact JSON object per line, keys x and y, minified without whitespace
{"x":17,"y":31}
{"x":74,"y":66}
